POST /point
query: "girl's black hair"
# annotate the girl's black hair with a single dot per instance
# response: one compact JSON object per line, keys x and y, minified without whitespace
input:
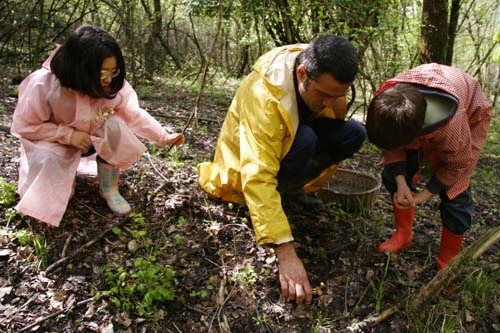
{"x":77,"y":63}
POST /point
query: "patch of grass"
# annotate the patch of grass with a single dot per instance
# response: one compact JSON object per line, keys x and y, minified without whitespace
{"x":41,"y":249}
{"x":140,"y":289}
{"x":7,"y":192}
{"x":473,"y":302}
{"x":320,"y":323}
{"x":38,"y":244}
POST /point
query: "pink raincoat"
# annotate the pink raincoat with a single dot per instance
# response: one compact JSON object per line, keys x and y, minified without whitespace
{"x":454,"y":149}
{"x":44,"y":120}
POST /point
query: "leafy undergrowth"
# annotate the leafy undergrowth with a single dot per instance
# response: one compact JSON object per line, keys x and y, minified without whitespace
{"x":186,"y":263}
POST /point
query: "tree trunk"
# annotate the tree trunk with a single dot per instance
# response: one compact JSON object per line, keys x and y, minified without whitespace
{"x":452,"y":30}
{"x":150,"y":49}
{"x":434,"y":31}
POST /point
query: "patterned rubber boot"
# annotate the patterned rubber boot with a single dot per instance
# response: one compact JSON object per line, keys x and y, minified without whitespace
{"x":403,"y":236}
{"x":108,"y":188}
{"x":449,"y":248}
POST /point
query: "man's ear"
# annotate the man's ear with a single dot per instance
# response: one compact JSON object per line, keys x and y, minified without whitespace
{"x":301,"y":73}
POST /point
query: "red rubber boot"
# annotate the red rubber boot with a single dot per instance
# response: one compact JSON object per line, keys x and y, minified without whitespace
{"x":449,"y":248}
{"x":403,"y":236}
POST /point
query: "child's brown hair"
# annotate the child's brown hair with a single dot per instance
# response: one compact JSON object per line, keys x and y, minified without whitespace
{"x":395,"y":116}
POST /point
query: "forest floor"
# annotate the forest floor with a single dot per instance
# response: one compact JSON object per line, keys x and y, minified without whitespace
{"x":187,"y":263}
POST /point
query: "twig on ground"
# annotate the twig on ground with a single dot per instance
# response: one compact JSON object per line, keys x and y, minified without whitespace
{"x":71,"y":307}
{"x":155,"y":192}
{"x":370,"y":322}
{"x":90,"y":208}
{"x":85,"y":246}
{"x":166,"y":181}
{"x":66,"y":243}
{"x":35,"y":295}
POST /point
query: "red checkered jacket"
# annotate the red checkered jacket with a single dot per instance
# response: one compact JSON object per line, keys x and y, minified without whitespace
{"x":454,"y":148}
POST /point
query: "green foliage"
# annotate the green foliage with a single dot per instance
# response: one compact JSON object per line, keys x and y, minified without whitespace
{"x":495,"y":55}
{"x":479,"y":291}
{"x":142,"y":288}
{"x":7,"y":192}
{"x":202,"y":292}
{"x":472,"y":302}
{"x":23,"y":236}
{"x":41,"y":249}
{"x":320,"y":322}
{"x":260,"y":320}
{"x":247,"y":276}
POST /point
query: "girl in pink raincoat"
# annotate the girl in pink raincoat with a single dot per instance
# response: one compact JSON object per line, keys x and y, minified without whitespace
{"x":79,"y":103}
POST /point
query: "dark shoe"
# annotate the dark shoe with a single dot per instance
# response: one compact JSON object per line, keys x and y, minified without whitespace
{"x":300,"y":197}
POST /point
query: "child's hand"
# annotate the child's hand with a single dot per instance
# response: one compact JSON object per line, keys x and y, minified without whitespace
{"x":403,"y":198}
{"x":422,"y":196}
{"x":81,"y":141}
{"x":175,"y":139}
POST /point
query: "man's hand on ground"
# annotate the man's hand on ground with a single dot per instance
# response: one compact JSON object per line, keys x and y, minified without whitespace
{"x":293,"y":276}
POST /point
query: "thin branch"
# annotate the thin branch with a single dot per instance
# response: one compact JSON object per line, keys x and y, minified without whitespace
{"x":194,"y":114}
{"x":69,"y":308}
{"x":85,"y":246}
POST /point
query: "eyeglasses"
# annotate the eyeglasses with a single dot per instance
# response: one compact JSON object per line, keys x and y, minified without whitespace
{"x":109,"y":74}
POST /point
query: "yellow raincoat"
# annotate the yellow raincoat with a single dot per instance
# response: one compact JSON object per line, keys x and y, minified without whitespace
{"x":257,"y":133}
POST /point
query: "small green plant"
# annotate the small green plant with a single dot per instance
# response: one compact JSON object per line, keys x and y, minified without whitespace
{"x":260,"y":320}
{"x":41,"y":249}
{"x":181,"y":222}
{"x":202,"y":292}
{"x":10,"y":213}
{"x":320,"y":322}
{"x":247,"y":276}
{"x":137,"y":230}
{"x":142,"y":288}
{"x":23,"y":236}
{"x":174,"y":158}
{"x":7,"y":192}
{"x":480,"y":288}
{"x":379,"y":291}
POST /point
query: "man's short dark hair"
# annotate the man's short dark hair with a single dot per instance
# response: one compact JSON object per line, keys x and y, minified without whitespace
{"x":77,"y":63}
{"x":330,"y":54}
{"x":395,"y":116}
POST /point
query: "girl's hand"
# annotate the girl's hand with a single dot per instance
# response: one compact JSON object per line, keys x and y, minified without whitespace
{"x":175,"y":139}
{"x":81,"y":141}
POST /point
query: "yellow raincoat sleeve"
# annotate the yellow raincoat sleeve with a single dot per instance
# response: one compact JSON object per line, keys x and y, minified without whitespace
{"x":262,"y":131}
